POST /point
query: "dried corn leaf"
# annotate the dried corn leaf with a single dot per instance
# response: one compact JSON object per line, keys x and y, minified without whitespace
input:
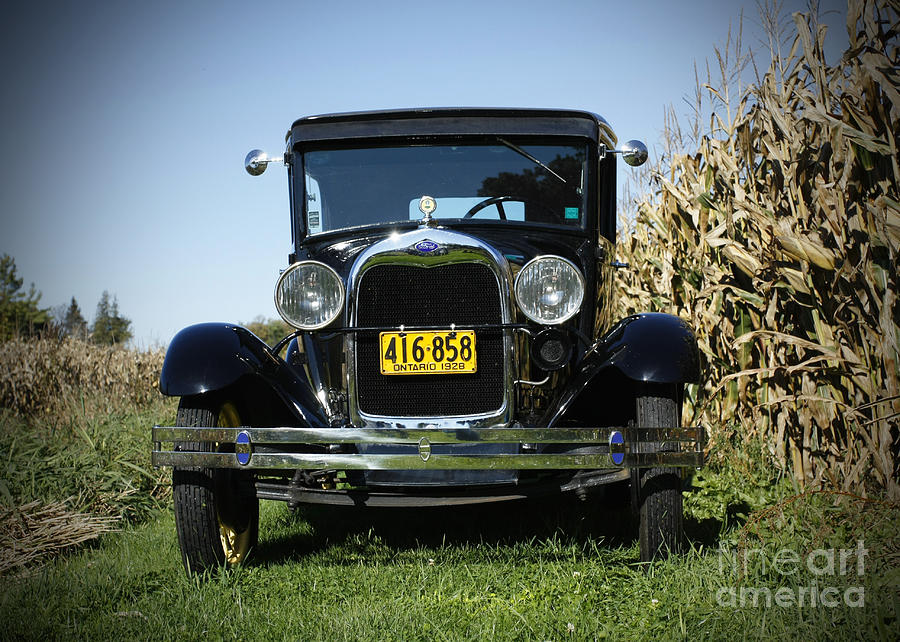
{"x":742,"y":259}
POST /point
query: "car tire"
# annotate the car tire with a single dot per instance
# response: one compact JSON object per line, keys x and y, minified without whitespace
{"x":216,"y":510}
{"x":658,"y":496}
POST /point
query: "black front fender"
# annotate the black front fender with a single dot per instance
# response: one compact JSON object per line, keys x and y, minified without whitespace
{"x":652,"y":347}
{"x":211,"y":356}
{"x":649,"y":347}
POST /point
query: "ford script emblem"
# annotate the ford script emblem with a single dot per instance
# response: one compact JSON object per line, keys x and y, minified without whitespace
{"x":426,"y":246}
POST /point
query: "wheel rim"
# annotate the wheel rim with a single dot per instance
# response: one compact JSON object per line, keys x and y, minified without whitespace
{"x":235,"y":543}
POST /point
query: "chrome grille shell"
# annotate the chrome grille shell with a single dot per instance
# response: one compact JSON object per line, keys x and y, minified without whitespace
{"x":452,"y":247}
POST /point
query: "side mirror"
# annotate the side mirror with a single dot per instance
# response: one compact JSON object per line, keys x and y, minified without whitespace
{"x":634,"y":152}
{"x":257,"y":160}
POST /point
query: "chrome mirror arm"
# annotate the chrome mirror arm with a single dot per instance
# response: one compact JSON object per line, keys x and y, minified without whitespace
{"x":257,"y":160}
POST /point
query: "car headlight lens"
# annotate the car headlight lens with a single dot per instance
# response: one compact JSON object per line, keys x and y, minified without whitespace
{"x":549,"y":290}
{"x":309,"y":295}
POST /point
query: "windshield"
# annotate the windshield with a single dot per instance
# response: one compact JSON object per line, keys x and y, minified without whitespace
{"x":507,"y":181}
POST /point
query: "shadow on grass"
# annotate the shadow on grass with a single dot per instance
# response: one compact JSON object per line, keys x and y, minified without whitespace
{"x":603,"y":519}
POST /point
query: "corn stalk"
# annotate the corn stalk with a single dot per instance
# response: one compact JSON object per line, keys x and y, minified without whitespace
{"x":778,"y":239}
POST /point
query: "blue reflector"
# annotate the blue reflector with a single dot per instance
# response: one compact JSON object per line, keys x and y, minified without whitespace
{"x":242,"y":448}
{"x":617,"y":447}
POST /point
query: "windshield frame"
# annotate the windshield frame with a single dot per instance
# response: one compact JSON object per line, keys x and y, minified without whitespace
{"x":587,"y":223}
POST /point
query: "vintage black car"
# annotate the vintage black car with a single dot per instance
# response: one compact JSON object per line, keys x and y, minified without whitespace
{"x":451,"y":286}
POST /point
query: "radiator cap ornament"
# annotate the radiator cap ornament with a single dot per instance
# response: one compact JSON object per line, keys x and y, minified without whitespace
{"x":427,"y":205}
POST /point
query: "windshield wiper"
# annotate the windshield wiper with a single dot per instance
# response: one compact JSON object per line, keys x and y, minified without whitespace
{"x":534,"y":160}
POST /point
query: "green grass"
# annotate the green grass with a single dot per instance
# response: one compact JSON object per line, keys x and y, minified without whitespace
{"x":541,"y":571}
{"x":96,"y":459}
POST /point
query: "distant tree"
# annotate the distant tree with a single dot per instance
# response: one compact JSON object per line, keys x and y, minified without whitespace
{"x":73,"y":323}
{"x":110,"y":327}
{"x":20,"y":314}
{"x":269,"y":330}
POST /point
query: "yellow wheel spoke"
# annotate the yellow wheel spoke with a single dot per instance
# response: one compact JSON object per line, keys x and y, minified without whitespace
{"x":235,"y":544}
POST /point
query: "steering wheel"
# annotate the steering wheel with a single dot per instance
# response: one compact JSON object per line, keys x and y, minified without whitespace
{"x":493,"y":200}
{"x":499,"y":200}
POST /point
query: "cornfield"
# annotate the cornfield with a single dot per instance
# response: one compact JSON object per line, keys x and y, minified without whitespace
{"x":36,"y":375}
{"x":778,"y":240}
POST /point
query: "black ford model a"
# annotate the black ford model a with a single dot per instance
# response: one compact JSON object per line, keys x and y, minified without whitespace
{"x":451,"y":288}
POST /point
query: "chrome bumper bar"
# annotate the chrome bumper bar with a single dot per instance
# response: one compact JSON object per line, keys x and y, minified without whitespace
{"x":258,"y":448}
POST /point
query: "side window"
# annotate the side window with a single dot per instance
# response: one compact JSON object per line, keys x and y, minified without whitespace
{"x":314,"y":206}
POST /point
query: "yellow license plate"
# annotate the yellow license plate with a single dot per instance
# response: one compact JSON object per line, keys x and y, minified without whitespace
{"x":443,"y":352}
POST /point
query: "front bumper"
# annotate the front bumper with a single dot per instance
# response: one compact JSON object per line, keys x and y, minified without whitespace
{"x":283,"y":448}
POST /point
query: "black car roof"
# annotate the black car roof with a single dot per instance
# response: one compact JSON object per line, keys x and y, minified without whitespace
{"x":452,"y":121}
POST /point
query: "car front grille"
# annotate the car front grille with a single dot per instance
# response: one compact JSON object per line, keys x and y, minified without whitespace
{"x":456,"y":293}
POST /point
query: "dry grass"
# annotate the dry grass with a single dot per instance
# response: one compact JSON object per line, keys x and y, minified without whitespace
{"x":34,"y":531}
{"x":778,"y":239}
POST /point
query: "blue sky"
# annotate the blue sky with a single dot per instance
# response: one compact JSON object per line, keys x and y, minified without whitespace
{"x":125,"y":125}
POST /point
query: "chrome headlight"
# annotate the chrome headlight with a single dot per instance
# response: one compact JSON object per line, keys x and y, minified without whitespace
{"x":549,"y":289}
{"x":309,"y":295}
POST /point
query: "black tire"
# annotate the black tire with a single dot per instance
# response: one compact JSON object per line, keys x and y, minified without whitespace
{"x":658,"y":496}
{"x":216,"y":510}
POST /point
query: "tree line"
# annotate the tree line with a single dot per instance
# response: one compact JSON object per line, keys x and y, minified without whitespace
{"x":22,"y":316}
